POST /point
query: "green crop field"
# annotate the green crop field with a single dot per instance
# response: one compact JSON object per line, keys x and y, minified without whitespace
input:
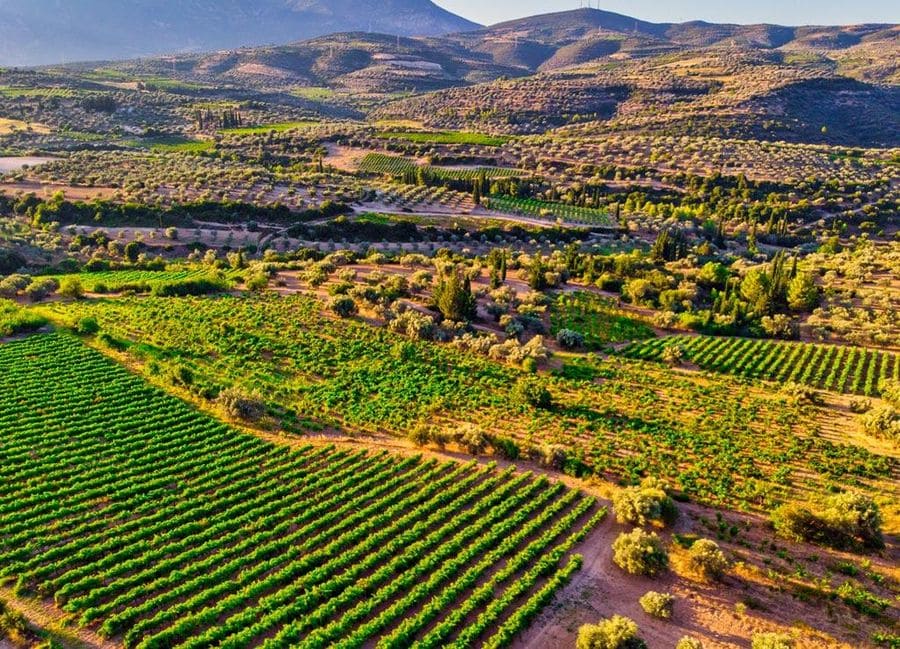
{"x":380,"y":163}
{"x":550,"y":211}
{"x":842,"y":368}
{"x":445,"y":137}
{"x":170,"y":529}
{"x":280,"y":127}
{"x":138,"y":280}
{"x":598,"y":318}
{"x":720,"y":441}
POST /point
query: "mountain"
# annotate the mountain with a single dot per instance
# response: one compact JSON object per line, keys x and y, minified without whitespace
{"x":38,"y":32}
{"x":567,"y":38}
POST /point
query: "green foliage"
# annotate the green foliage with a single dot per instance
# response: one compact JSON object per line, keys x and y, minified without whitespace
{"x":343,"y":306}
{"x":263,"y":541}
{"x":617,"y":632}
{"x":596,"y":319}
{"x":640,"y":553}
{"x":688,"y":642}
{"x":242,"y":405}
{"x":853,"y":594}
{"x":772,"y":641}
{"x":883,"y":422}
{"x":41,"y":288}
{"x":71,"y":287}
{"x":670,"y":245}
{"x":644,"y":503}
{"x":529,"y":392}
{"x":852,"y":370}
{"x":569,"y":339}
{"x":657,"y":604}
{"x":845,"y":521}
{"x":199,"y":286}
{"x":14,"y":319}
{"x":706,"y":560}
{"x":87,"y":326}
{"x":802,"y":293}
{"x":453,"y":296}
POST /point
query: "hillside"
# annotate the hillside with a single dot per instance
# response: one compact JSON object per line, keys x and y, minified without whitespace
{"x":35,"y":32}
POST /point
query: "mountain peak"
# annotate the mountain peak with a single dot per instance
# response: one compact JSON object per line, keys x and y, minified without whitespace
{"x":36,"y":32}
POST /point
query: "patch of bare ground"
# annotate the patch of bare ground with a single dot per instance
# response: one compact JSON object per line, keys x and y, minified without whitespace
{"x":758,"y":594}
{"x":47,"y":190}
{"x":44,"y":616}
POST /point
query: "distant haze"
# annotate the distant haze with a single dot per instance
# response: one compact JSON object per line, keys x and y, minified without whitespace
{"x":782,"y":12}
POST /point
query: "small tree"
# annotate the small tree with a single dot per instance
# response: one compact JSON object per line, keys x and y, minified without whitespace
{"x":657,"y":604}
{"x":706,"y":560}
{"x":71,"y":287}
{"x":617,"y":632}
{"x":240,"y":405}
{"x":802,"y":293}
{"x":672,"y":355}
{"x":569,"y":339}
{"x":530,"y":392}
{"x":641,"y":504}
{"x":453,"y":297}
{"x":343,"y":306}
{"x":640,"y":553}
{"x":688,"y":642}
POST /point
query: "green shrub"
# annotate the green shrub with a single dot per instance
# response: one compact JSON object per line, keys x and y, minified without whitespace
{"x":643,"y":503}
{"x":87,"y":326}
{"x":862,"y":600}
{"x":71,"y":287}
{"x":530,"y":392}
{"x":706,"y":560}
{"x":844,"y":521}
{"x":569,"y":339}
{"x":241,"y":405}
{"x":199,"y":286}
{"x":657,"y":604}
{"x":344,"y":307}
{"x":688,"y":642}
{"x":41,"y":288}
{"x":640,"y":553}
{"x":883,"y":422}
{"x":617,"y":632}
{"x":772,"y":641}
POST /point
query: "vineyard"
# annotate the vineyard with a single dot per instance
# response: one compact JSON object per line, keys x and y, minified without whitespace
{"x":717,"y":439}
{"x":162,"y":527}
{"x":137,"y":280}
{"x":852,"y":370}
{"x":379,"y":163}
{"x":550,"y":211}
{"x":597,"y":318}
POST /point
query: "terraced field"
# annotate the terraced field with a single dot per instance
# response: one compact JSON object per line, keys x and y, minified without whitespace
{"x":162,"y":527}
{"x":852,"y":370}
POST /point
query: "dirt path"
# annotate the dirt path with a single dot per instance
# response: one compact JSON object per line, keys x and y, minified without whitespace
{"x":49,"y":618}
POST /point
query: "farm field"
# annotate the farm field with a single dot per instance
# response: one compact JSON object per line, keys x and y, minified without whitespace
{"x":318,"y":372}
{"x":550,"y":211}
{"x":598,"y":318}
{"x":852,"y":370}
{"x":172,"y":529}
{"x":361,"y":324}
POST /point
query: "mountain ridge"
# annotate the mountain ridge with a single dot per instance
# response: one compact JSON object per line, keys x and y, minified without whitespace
{"x":44,"y":32}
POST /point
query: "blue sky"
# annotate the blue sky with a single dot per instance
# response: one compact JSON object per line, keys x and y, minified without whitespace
{"x":783,"y":12}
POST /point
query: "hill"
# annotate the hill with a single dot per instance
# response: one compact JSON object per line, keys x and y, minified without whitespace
{"x":36,"y":32}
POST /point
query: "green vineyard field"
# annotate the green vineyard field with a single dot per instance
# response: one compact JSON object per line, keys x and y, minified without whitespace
{"x":598,"y":318}
{"x":550,"y":211}
{"x":162,"y":527}
{"x":380,"y":163}
{"x":852,"y":370}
